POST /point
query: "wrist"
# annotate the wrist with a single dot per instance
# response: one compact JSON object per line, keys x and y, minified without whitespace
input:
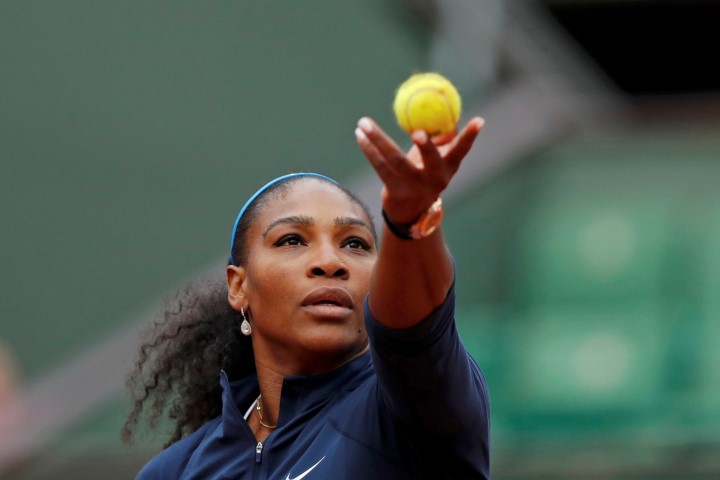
{"x":423,"y":226}
{"x":406,"y":209}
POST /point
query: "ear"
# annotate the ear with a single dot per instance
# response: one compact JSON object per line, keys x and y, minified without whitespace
{"x":236,"y":287}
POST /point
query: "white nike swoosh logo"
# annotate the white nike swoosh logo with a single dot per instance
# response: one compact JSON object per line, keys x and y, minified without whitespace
{"x":302,"y":475}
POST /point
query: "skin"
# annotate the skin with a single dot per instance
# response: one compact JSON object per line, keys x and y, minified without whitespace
{"x":312,"y":238}
{"x":411,"y":278}
{"x":406,"y":280}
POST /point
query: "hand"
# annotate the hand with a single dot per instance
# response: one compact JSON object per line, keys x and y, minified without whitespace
{"x":413,"y":180}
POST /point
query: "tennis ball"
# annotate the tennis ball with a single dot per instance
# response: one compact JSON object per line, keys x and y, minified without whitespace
{"x":427,"y":101}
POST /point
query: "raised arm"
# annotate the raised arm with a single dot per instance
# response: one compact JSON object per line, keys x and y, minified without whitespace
{"x":411,"y":277}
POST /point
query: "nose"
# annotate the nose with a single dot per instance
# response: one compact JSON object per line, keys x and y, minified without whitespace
{"x":325,"y":262}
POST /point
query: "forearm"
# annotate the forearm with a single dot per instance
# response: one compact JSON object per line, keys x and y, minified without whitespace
{"x":410,"y":279}
{"x":425,"y":373}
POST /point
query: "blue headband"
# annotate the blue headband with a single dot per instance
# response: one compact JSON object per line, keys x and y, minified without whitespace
{"x":260,"y":192}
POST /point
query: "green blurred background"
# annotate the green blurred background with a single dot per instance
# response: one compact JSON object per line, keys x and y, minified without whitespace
{"x":586,"y":228}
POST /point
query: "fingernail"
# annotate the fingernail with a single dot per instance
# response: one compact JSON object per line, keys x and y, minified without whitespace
{"x":365,"y":124}
{"x":360,"y":135}
{"x":420,"y":137}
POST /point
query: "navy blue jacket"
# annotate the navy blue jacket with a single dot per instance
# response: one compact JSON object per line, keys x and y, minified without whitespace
{"x":414,"y":407}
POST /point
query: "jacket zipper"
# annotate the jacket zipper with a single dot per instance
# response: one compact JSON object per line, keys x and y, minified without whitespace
{"x":258,"y":452}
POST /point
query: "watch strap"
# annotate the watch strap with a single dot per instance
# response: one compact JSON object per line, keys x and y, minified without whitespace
{"x":423,"y":227}
{"x":401,"y":231}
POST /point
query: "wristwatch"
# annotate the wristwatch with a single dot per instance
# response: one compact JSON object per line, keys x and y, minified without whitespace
{"x":421,"y":228}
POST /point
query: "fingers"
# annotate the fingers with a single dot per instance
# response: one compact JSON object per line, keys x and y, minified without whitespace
{"x":385,"y":146}
{"x":432,"y":160}
{"x":462,"y":144}
{"x":428,"y":167}
{"x":444,"y":138}
{"x":374,"y":156}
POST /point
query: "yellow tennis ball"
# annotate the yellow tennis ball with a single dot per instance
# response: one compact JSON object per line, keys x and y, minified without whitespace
{"x":427,"y":101}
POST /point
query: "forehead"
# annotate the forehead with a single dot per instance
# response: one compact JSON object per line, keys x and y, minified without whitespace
{"x":309,"y":197}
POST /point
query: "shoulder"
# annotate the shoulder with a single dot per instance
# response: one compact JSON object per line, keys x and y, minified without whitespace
{"x":172,"y":461}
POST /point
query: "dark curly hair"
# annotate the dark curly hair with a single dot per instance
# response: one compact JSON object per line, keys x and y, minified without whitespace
{"x":176,"y":373}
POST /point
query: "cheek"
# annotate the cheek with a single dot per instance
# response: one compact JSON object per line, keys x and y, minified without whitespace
{"x":273,"y":284}
{"x":362,"y":278}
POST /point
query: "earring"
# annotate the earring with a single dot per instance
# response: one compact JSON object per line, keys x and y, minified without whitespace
{"x":245,"y":327}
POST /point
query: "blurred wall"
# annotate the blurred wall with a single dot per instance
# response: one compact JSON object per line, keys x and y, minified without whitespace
{"x":130,"y":133}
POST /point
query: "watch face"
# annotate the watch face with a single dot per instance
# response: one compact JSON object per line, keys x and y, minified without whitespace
{"x":429,"y":222}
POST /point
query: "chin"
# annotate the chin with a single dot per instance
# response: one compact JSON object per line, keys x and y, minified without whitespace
{"x":336,"y":344}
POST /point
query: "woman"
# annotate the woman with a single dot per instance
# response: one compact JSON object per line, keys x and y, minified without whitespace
{"x":343,"y":361}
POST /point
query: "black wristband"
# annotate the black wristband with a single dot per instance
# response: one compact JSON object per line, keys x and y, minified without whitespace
{"x":400,"y":231}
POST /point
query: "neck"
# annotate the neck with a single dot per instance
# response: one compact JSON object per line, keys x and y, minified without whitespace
{"x":270,"y":381}
{"x":259,"y":408}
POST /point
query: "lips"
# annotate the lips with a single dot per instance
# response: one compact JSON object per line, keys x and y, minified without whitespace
{"x":328,"y":296}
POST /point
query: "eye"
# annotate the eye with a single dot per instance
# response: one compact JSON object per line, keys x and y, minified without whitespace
{"x":356,"y":243}
{"x":291,"y":240}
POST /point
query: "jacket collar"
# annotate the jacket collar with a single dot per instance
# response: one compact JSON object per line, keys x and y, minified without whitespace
{"x":301,"y":394}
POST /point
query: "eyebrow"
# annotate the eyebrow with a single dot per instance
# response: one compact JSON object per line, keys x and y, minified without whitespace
{"x":305,"y":221}
{"x":298,"y":220}
{"x":350,"y":221}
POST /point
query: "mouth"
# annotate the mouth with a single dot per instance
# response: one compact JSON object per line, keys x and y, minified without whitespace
{"x":328,"y":297}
